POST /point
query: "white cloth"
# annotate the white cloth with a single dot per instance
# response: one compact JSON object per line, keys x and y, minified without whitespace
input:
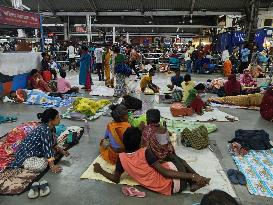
{"x":187,"y":55}
{"x":148,"y":67}
{"x":19,"y":63}
{"x":71,"y":52}
{"x":225,"y":55}
{"x":98,"y":55}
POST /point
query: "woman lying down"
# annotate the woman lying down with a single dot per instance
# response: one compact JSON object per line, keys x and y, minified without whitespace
{"x":144,"y":167}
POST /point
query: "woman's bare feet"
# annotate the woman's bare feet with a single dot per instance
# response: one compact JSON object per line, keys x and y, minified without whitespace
{"x":194,"y":187}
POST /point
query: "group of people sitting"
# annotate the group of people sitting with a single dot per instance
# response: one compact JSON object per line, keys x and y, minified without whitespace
{"x":146,"y":154}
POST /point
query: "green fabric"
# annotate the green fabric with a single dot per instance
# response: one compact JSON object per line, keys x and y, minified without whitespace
{"x":120,"y":58}
{"x":192,"y":95}
{"x":174,"y":126}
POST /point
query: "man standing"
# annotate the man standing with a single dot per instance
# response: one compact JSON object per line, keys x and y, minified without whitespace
{"x":98,"y":60}
{"x":71,"y":55}
{"x":134,"y":57}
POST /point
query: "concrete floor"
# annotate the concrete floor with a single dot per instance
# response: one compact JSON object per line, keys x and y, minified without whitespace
{"x":67,"y":188}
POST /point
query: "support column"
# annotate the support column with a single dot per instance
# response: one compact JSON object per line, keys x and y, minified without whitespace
{"x":65,"y":31}
{"x":88,"y":28}
{"x":127,"y":38}
{"x":114,"y":35}
{"x":252,"y":20}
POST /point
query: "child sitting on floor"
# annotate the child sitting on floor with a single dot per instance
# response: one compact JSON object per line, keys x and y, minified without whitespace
{"x":146,"y":82}
{"x":64,"y":86}
{"x":144,"y":167}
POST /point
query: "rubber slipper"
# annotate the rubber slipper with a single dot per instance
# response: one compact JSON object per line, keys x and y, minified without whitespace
{"x":44,"y":188}
{"x":34,"y":191}
{"x":241,"y":177}
{"x":232,"y":176}
{"x":131,"y":191}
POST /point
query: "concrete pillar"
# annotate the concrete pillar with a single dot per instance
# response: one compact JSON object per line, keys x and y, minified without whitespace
{"x":127,"y":38}
{"x":114,"y":35}
{"x":65,"y":31}
{"x":88,"y":28}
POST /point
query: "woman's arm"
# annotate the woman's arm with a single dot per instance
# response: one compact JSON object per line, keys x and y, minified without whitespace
{"x":115,"y":177}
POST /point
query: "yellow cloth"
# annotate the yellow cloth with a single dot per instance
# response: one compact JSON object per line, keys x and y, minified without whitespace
{"x":90,"y":174}
{"x":107,"y":59}
{"x":145,"y":81}
{"x":186,"y":88}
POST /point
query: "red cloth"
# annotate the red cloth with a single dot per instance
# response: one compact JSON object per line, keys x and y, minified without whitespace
{"x":37,"y":82}
{"x":11,"y":140}
{"x":197,"y":105}
{"x":88,"y":81}
{"x":232,"y":86}
{"x":266,"y":108}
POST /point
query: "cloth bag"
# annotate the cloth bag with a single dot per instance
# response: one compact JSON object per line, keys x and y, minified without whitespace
{"x":35,"y":164}
{"x":178,"y":110}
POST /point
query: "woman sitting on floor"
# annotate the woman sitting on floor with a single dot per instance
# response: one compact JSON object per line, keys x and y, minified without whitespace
{"x":266,"y":108}
{"x":247,"y":80}
{"x":36,"y":81}
{"x":194,"y":99}
{"x":232,"y":87}
{"x":112,"y":143}
{"x":187,"y":85}
{"x":147,"y":82}
{"x":41,"y":144}
{"x":143,"y":166}
{"x":227,"y":67}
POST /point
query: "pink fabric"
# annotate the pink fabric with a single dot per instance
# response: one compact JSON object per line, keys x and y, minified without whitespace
{"x":63,"y":85}
{"x":137,"y":167}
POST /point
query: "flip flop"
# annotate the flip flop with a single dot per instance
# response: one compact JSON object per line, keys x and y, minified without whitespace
{"x":232,"y":175}
{"x":44,"y":188}
{"x":241,"y":177}
{"x":34,"y":191}
{"x":131,"y":191}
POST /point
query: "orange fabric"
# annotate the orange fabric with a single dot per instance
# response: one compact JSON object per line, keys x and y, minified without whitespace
{"x":117,"y":130}
{"x":7,"y":87}
{"x":137,"y":167}
{"x":227,"y":68}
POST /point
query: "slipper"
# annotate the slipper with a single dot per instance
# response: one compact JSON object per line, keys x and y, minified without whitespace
{"x":34,"y":191}
{"x":232,"y":175}
{"x":131,"y":191}
{"x":241,"y":177}
{"x":44,"y":188}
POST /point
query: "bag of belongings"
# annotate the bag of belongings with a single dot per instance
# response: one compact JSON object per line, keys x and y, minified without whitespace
{"x":178,"y":110}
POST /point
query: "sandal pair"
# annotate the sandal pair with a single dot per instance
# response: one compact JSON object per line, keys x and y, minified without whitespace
{"x":132,"y":191}
{"x":236,"y":177}
{"x":39,"y":189}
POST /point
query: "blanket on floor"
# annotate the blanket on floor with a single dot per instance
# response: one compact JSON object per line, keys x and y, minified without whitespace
{"x":234,"y":106}
{"x":102,"y":91}
{"x":215,"y":115}
{"x":198,"y":159}
{"x":257,"y":166}
{"x":16,"y":181}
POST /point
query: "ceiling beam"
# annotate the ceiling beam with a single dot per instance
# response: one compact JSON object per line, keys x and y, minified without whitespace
{"x":147,"y":13}
{"x":192,"y":5}
{"x":154,"y":26}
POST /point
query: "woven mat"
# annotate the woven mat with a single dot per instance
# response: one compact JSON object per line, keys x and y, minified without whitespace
{"x":234,"y":106}
{"x":215,"y":115}
{"x":198,"y":159}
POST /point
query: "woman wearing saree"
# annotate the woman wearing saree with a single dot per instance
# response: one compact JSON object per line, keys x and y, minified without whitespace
{"x":85,"y":65}
{"x":106,"y":63}
{"x":112,"y":144}
{"x":36,"y":81}
{"x":266,"y":108}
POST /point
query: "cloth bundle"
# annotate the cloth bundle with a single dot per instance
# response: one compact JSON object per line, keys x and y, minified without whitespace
{"x":197,"y":138}
{"x":178,"y":110}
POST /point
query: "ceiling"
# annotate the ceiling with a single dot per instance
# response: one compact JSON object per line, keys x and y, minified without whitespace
{"x":199,"y":13}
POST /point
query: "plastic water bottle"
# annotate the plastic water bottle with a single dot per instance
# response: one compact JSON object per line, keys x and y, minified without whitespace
{"x":87,"y":130}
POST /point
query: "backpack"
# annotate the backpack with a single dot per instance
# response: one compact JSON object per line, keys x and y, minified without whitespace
{"x":252,"y":139}
{"x":132,"y":103}
{"x":198,"y":138}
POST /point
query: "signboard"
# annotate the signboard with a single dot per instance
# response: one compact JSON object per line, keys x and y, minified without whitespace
{"x":14,"y":17}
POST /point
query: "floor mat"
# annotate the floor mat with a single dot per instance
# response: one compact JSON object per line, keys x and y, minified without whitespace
{"x":215,"y":115}
{"x":17,"y":181}
{"x":257,"y":166}
{"x":233,"y":106}
{"x":102,"y":91}
{"x":198,"y":159}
